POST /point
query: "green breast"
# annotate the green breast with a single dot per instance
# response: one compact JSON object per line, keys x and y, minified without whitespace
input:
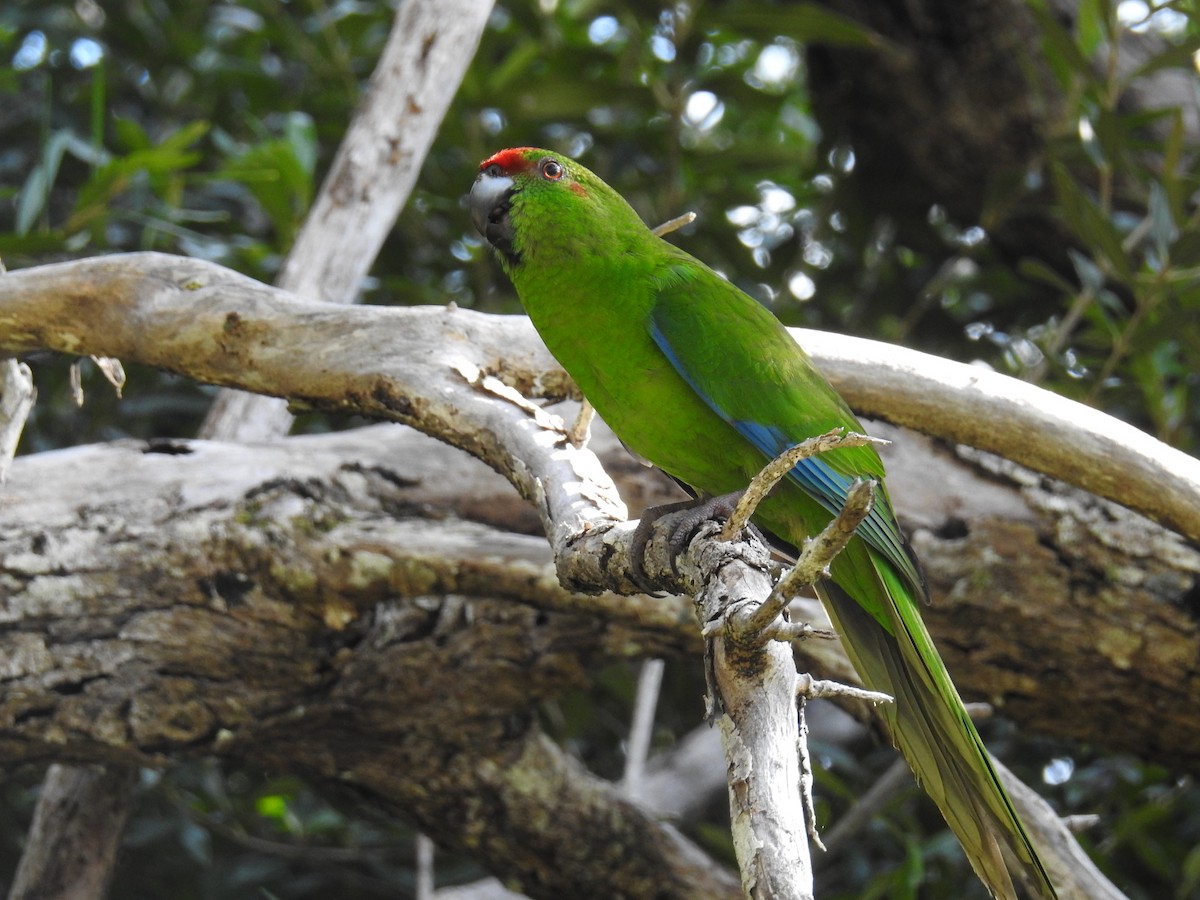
{"x":606,"y":347}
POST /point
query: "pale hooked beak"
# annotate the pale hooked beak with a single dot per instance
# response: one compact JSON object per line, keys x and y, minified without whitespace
{"x":491,"y":197}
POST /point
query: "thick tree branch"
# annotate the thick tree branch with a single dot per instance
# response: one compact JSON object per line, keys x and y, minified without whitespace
{"x":301,"y":622}
{"x":1011,"y":418}
{"x":412,"y":365}
{"x":423,"y":366}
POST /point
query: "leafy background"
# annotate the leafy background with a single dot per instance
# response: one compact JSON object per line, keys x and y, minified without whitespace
{"x":204,"y":129}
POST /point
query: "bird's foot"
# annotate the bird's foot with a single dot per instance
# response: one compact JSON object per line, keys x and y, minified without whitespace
{"x":691,"y":515}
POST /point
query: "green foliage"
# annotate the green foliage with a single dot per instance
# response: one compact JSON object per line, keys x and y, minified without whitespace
{"x":204,"y":128}
{"x":1123,"y":334}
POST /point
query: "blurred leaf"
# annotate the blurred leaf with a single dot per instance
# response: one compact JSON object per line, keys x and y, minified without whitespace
{"x":1036,"y":269}
{"x":1089,"y":273}
{"x":514,"y":66}
{"x":1163,"y":230}
{"x":1175,"y":56}
{"x":1189,"y":885}
{"x":1093,"y":24}
{"x":184,"y":137}
{"x":301,"y":134}
{"x":1110,"y":137}
{"x":1170,"y":171}
{"x":279,"y":181}
{"x":1186,"y":251}
{"x":271,"y":806}
{"x":31,"y":244}
{"x":807,"y":23}
{"x":1087,"y":220}
{"x":1062,"y":53}
{"x":130,"y":134}
{"x":197,"y":841}
{"x":35,"y":193}
{"x":172,"y":155}
{"x":1110,"y":301}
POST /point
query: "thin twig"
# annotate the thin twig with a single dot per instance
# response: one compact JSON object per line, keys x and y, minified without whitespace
{"x":641,"y":726}
{"x":783,"y":630}
{"x":806,"y":779}
{"x":109,"y":367}
{"x":811,"y":688}
{"x":674,"y":224}
{"x":17,"y":394}
{"x":581,"y":428}
{"x":776,"y":470}
{"x":815,"y":558}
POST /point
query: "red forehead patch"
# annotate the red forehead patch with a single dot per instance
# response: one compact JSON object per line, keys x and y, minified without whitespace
{"x":511,"y":160}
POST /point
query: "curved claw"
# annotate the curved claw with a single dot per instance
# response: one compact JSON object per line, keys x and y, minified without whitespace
{"x":641,"y":540}
{"x":698,"y":511}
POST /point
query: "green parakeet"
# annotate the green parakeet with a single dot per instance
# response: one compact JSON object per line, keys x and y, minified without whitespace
{"x":705,"y":383}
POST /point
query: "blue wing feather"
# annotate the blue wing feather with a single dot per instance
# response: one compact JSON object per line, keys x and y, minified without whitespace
{"x":814,"y":475}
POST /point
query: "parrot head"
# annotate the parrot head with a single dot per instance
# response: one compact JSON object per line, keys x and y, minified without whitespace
{"x":528,"y":202}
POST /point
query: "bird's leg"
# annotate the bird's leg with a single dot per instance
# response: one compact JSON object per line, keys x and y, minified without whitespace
{"x":736,"y":508}
{"x":581,"y":428}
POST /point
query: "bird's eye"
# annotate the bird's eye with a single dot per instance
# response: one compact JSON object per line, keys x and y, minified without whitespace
{"x":551,"y":169}
{"x":493,"y":171}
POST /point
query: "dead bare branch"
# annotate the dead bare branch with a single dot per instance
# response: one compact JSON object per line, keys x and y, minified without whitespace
{"x":204,"y":321}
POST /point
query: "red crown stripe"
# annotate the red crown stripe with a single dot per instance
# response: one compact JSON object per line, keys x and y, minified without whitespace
{"x":510,"y":160}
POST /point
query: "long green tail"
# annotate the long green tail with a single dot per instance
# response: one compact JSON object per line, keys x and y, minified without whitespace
{"x":930,"y":727}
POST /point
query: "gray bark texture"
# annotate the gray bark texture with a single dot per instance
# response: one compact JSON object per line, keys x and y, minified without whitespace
{"x":185,"y":597}
{"x":288,"y":624}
